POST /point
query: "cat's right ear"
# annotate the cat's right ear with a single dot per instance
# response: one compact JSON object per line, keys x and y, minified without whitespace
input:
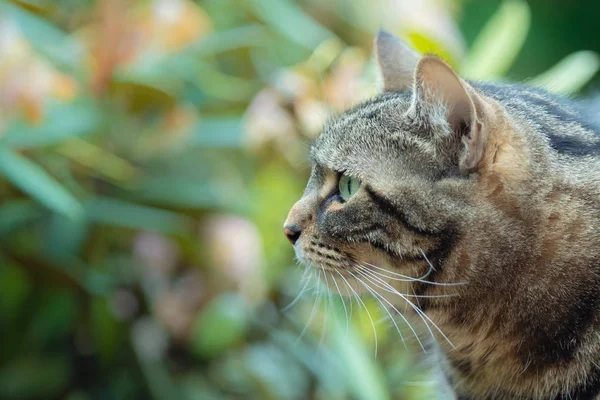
{"x":396,"y":62}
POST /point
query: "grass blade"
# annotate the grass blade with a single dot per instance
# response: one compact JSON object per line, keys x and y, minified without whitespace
{"x":499,"y":42}
{"x":570,"y":74}
{"x":35,"y":181}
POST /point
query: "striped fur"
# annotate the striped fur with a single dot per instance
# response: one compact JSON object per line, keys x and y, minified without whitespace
{"x":496,"y":185}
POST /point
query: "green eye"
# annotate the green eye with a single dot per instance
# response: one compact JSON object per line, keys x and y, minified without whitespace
{"x":348,"y":186}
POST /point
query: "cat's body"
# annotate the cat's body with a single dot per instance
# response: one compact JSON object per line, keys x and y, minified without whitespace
{"x":490,"y":184}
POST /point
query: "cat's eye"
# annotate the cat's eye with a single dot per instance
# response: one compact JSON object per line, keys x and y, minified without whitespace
{"x":348,"y":186}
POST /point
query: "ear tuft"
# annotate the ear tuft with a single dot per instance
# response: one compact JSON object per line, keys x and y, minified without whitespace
{"x":437,"y":85}
{"x":396,"y":62}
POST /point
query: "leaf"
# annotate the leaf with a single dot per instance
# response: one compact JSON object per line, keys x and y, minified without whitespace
{"x":30,"y":377}
{"x":364,"y":375}
{"x":232,"y":39}
{"x":218,"y":132}
{"x":289,"y":20}
{"x":425,"y":44}
{"x":15,"y":286}
{"x":220,"y":325}
{"x":570,"y":74}
{"x":499,"y":42}
{"x":64,"y":236}
{"x":328,"y":374}
{"x":114,"y":212}
{"x":50,"y":41}
{"x":35,"y":181}
{"x":61,"y":122}
{"x":97,"y":159}
{"x":54,"y":319}
{"x":167,"y":74}
{"x":14,"y":214}
{"x":106,"y":331}
{"x":147,"y":339}
{"x":183,"y":193}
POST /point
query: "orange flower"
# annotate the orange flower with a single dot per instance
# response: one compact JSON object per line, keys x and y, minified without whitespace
{"x":26,"y":80}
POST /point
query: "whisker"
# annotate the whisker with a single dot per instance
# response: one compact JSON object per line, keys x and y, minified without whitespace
{"x":343,"y":302}
{"x":394,"y":290}
{"x":374,"y":293}
{"x":310,"y":318}
{"x":423,"y":316}
{"x":394,"y":308}
{"x":405,"y":278}
{"x":364,"y":306}
{"x":325,"y":311}
{"x":417,"y":310}
{"x":299,"y":296}
{"x":385,"y":309}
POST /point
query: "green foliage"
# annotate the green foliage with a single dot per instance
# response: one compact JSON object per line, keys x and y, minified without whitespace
{"x":146,"y":168}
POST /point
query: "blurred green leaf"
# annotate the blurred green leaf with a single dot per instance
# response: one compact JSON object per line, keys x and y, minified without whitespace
{"x":64,"y":235}
{"x":196,"y":387}
{"x":114,"y":212}
{"x":220,"y":325}
{"x":232,"y":39}
{"x":35,"y":181}
{"x":224,"y":86}
{"x":180,"y":193}
{"x":107,"y":333}
{"x":291,"y":22}
{"x":30,"y":377}
{"x":55,"y":317}
{"x":498,"y":44}
{"x":15,"y":286}
{"x":61,"y":122}
{"x":328,"y":374}
{"x":218,"y":132}
{"x":278,"y":377}
{"x":570,"y":74}
{"x":56,"y":45}
{"x":16,"y":213}
{"x":274,"y":190}
{"x":146,"y":337}
{"x":363,"y":373}
{"x":98,"y":159}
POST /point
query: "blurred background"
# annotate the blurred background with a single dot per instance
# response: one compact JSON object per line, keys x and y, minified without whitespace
{"x":149,"y":153}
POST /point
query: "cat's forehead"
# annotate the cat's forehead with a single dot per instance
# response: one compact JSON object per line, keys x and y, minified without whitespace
{"x":364,"y":135}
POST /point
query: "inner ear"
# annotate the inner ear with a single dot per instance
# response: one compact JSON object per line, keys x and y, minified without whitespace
{"x":396,"y":62}
{"x":438,"y":86}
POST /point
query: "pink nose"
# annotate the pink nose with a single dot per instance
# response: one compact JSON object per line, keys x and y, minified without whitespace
{"x":292,"y":233}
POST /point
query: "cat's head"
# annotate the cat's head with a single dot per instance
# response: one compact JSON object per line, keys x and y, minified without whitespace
{"x":394,"y":179}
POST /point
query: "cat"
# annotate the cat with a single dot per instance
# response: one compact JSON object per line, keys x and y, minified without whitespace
{"x":479,"y":201}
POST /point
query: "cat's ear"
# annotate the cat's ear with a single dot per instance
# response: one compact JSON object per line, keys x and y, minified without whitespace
{"x":439,"y":93}
{"x":396,"y":62}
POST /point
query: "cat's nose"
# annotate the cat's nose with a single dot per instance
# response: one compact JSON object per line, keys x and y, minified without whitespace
{"x":292,"y":232}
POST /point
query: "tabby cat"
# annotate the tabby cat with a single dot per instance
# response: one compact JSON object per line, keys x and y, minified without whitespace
{"x":479,"y":201}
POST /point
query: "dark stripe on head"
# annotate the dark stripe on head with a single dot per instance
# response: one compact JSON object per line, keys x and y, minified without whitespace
{"x":573,"y":146}
{"x":387,"y":207}
{"x":552,"y":107}
{"x":446,"y":241}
